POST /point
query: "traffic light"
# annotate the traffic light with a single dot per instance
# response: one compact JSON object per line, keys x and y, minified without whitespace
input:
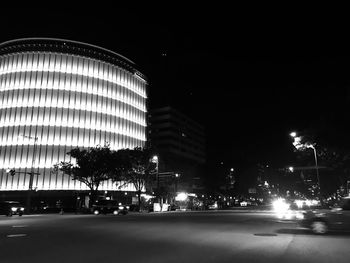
{"x":12,"y":172}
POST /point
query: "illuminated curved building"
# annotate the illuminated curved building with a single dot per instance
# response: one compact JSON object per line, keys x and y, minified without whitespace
{"x":56,"y":95}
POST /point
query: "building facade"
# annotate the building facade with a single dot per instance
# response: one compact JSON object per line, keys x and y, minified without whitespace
{"x":56,"y":95}
{"x":181,"y":144}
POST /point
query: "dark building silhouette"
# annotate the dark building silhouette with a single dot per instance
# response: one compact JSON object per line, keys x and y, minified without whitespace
{"x":180,"y":143}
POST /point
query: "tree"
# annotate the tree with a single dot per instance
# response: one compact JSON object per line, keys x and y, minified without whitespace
{"x":137,"y":168}
{"x":92,"y":166}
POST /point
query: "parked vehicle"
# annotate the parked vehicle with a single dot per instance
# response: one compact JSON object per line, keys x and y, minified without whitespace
{"x":134,"y":208}
{"x":174,"y":207}
{"x":212,"y":206}
{"x":10,"y":208}
{"x":109,"y":207}
{"x":322,"y":221}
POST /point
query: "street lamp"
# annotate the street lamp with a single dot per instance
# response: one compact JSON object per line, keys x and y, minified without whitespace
{"x":298,"y":145}
{"x":156,"y":161}
{"x":31,"y":173}
{"x":177,"y":175}
{"x":318,"y":176}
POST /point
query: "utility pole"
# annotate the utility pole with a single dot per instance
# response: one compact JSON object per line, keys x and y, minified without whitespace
{"x":156,"y":161}
{"x":318,"y":175}
{"x":298,"y":145}
{"x":31,"y":174}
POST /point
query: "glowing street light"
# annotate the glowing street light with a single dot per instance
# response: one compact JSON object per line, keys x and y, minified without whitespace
{"x":156,"y":161}
{"x":31,"y":173}
{"x":181,"y":197}
{"x":177,"y":176}
{"x":298,"y":145}
{"x":291,"y":169}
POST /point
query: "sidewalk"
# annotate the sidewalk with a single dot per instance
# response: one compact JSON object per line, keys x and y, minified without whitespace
{"x":253,"y":208}
{"x":248,"y":209}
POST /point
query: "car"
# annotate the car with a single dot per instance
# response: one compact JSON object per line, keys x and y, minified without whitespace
{"x":10,"y":208}
{"x":109,"y":207}
{"x":246,"y":203}
{"x":174,"y":207}
{"x":322,"y":221}
{"x":213,"y":206}
{"x":243,"y":203}
{"x":133,"y":208}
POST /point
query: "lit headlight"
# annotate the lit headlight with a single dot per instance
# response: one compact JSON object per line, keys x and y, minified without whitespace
{"x":299,"y":215}
{"x":127,"y":207}
{"x":121,"y":207}
{"x":281,"y":208}
{"x":22,"y":208}
{"x":181,"y":197}
{"x":13,"y":209}
{"x":280,"y":205}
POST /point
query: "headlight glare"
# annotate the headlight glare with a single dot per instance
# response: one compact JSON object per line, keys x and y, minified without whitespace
{"x":299,"y":215}
{"x":281,"y":208}
{"x":280,"y":205}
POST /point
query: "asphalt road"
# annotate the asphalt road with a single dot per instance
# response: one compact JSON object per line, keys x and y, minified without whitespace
{"x":210,"y":236}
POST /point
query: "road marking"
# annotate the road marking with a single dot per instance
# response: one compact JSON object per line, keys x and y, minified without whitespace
{"x":17,"y":235}
{"x":285,"y":222}
{"x":20,"y":226}
{"x":265,"y":235}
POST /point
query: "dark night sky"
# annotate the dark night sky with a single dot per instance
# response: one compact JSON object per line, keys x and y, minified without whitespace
{"x":248,"y":77}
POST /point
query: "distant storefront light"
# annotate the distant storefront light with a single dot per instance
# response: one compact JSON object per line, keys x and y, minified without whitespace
{"x":181,"y":197}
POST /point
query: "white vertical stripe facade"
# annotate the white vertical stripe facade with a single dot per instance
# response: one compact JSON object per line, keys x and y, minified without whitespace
{"x":66,"y":101}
